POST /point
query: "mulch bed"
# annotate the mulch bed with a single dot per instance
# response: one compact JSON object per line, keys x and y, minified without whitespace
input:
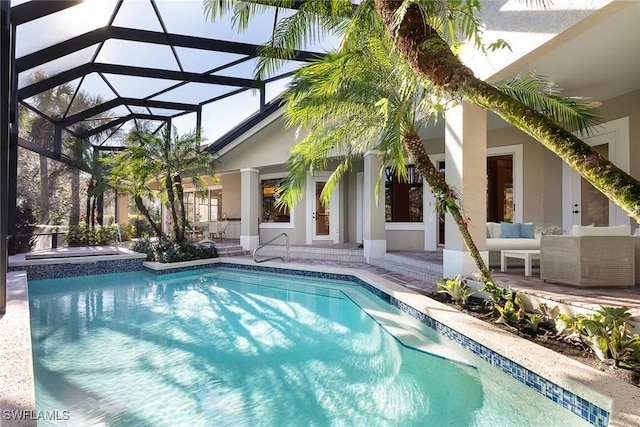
{"x":548,"y":339}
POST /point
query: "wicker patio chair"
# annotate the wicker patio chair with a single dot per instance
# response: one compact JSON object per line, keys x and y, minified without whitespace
{"x":588,"y":260}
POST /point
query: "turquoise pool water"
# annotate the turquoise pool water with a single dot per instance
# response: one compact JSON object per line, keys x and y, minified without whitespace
{"x":219,"y":347}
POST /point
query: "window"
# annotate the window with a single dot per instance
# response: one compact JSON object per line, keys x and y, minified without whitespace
{"x":203,"y":209}
{"x":271,"y":213}
{"x":403,"y":200}
{"x":500,"y":188}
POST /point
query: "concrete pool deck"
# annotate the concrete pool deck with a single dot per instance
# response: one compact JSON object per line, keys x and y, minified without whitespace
{"x":620,"y":398}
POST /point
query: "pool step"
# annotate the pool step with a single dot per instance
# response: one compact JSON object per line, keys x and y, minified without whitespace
{"x":423,"y":270}
{"x":318,"y":253}
{"x":231,"y":250}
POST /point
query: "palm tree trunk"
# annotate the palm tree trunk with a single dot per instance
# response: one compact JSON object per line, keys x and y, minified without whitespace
{"x":43,"y":212}
{"x":74,"y":216}
{"x":168,"y":184}
{"x":100,"y":209}
{"x":93,"y":212}
{"x":179,"y":192}
{"x":88,"y":206}
{"x":145,"y":212}
{"x":430,"y":56}
{"x":415,"y":147}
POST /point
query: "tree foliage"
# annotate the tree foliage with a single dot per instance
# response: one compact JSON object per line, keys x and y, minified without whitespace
{"x":165,"y":158}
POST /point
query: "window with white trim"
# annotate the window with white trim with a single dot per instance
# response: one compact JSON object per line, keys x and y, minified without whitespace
{"x":403,"y":198}
{"x":270,"y":212}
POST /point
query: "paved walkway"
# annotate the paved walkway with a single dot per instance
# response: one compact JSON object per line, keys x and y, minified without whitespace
{"x":590,"y":298}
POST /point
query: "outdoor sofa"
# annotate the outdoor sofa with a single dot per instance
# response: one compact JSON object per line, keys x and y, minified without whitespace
{"x":590,"y":256}
{"x":509,"y":236}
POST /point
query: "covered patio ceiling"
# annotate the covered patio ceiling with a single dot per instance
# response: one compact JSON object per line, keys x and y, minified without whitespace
{"x":154,"y":60}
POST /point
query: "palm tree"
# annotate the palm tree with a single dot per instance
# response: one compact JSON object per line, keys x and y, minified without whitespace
{"x":426,"y":32}
{"x":51,"y":103}
{"x":167,"y":159}
{"x":365,"y":99}
{"x":98,"y":184}
{"x":128,"y":176}
{"x":81,"y":157}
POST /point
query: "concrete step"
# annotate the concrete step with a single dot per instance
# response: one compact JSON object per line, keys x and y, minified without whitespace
{"x":415,"y":268}
{"x":233,"y":250}
{"x":313,"y":252}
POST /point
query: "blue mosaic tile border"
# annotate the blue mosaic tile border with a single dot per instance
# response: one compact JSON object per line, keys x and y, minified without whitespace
{"x":565,"y":398}
{"x":58,"y":271}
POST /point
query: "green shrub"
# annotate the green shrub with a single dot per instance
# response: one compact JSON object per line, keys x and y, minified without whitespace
{"x":142,"y":226}
{"x":83,"y":235}
{"x":165,"y":250}
{"x":127,"y":232}
{"x":25,"y":225}
{"x":606,"y":332}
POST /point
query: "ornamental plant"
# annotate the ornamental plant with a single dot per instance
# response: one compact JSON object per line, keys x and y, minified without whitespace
{"x":606,"y":333}
{"x":456,"y":288}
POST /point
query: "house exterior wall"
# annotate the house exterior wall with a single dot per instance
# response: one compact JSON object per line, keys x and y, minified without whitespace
{"x":627,"y":105}
{"x":526,"y":30}
{"x":542,"y":172}
{"x":231,"y":194}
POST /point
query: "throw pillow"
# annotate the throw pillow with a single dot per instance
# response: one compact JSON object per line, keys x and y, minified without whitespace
{"x":510,"y":230}
{"x":488,"y":231}
{"x":526,"y":230}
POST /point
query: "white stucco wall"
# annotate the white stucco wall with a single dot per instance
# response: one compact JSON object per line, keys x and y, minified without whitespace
{"x":525,"y":26}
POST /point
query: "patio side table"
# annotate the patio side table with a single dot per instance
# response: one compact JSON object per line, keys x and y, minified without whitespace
{"x":528,"y":255}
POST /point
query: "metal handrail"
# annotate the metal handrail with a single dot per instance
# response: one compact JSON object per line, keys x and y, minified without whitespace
{"x":255,"y":251}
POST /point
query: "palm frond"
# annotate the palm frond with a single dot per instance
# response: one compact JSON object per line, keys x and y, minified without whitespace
{"x":543,"y":95}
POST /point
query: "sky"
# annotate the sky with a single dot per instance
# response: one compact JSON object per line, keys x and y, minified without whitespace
{"x":180,"y":17}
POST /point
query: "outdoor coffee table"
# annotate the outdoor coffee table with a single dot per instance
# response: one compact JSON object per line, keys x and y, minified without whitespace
{"x":528,"y":255}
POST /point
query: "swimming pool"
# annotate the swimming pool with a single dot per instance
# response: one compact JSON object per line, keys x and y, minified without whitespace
{"x":222,"y":347}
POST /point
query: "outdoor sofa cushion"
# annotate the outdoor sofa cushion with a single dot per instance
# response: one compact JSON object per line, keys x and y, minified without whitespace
{"x":615,"y":230}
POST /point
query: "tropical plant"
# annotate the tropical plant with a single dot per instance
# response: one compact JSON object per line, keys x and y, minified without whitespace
{"x":51,"y":103}
{"x":165,"y":250}
{"x":84,"y":157}
{"x":365,"y":98}
{"x":84,"y":234}
{"x":426,"y":34}
{"x":166,"y":159}
{"x":128,"y":176}
{"x":25,"y":226}
{"x":607,"y":333}
{"x":511,"y":312}
{"x":456,"y":288}
{"x":98,"y":184}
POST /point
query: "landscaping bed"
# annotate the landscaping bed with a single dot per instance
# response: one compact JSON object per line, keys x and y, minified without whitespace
{"x":477,"y":308}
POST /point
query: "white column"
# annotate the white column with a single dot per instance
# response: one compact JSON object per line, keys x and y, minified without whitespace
{"x":374,"y":240}
{"x":249,"y":208}
{"x":430,"y":218}
{"x":466,"y":172}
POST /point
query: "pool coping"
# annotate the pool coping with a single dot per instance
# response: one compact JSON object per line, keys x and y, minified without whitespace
{"x":621,"y":399}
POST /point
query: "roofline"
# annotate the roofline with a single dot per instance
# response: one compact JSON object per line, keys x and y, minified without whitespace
{"x":250,"y":126}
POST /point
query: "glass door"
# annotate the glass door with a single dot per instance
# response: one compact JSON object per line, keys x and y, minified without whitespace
{"x":321,"y":213}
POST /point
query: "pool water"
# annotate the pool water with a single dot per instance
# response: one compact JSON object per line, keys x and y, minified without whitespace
{"x":224,"y":347}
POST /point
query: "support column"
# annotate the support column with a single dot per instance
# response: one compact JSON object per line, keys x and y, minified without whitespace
{"x":374,"y":238}
{"x":122,"y":209}
{"x":6,"y":65}
{"x":431,"y":219}
{"x":249,"y":208}
{"x":466,"y":172}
